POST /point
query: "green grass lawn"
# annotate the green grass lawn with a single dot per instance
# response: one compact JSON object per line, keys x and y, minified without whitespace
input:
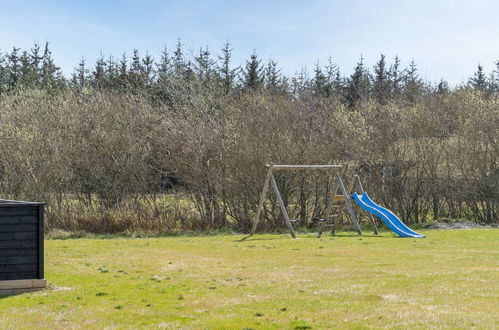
{"x":450,"y":279}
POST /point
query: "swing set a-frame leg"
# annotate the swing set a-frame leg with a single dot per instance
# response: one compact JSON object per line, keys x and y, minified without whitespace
{"x":348,"y":204}
{"x":270,"y":179}
{"x":262,"y":200}
{"x":283,"y":207}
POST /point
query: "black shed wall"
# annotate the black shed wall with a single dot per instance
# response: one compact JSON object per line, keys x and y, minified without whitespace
{"x":21,"y":240}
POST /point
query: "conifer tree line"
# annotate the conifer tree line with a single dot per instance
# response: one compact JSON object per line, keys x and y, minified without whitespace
{"x":136,"y":73}
{"x":140,"y":144}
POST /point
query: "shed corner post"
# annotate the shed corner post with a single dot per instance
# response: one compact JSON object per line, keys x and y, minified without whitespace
{"x":41,"y":238}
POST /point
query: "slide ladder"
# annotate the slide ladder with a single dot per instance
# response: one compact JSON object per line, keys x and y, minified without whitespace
{"x":387,"y":216}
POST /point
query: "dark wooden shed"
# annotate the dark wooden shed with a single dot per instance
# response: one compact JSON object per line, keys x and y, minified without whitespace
{"x":21,"y":245}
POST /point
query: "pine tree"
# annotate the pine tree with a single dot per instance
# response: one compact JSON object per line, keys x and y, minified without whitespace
{"x":135,"y":75}
{"x":164,"y":65}
{"x":147,"y":69}
{"x":358,"y":85}
{"x":320,"y":84}
{"x":51,"y":76}
{"x":494,"y":78}
{"x":36,"y":60}
{"x":26,"y":78}
{"x":79,"y":77}
{"x":227,"y":75}
{"x":273,"y":78}
{"x":140,"y":72}
{"x":123,"y":76}
{"x":334,"y":79}
{"x":99,"y":73}
{"x":179,"y":64}
{"x":253,"y":74}
{"x":13,"y":68}
{"x":300,"y":82}
{"x":162,"y":93}
{"x":395,"y":78}
{"x":29,"y":68}
{"x":413,"y":86}
{"x":479,"y":80}
{"x":111,"y":73}
{"x":204,"y":66}
{"x":381,"y":87}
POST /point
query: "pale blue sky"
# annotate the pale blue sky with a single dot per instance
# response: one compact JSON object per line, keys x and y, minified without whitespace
{"x":446,"y":38}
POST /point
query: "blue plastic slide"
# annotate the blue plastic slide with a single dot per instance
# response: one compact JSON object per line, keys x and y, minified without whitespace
{"x":390,"y":219}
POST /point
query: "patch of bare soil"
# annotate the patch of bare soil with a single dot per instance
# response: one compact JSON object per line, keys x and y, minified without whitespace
{"x":457,"y":224}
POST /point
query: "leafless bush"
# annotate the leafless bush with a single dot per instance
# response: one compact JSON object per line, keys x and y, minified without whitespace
{"x":105,"y":162}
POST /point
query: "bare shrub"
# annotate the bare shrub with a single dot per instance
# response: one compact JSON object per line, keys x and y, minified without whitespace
{"x":108,"y":162}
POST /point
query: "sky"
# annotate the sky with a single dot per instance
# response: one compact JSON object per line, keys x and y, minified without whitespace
{"x":447,"y":39}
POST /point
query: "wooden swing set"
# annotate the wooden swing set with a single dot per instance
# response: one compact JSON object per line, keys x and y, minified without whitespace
{"x":338,"y":199}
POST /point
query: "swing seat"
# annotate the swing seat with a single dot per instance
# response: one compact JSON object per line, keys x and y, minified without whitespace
{"x":319,"y":219}
{"x":294,"y":220}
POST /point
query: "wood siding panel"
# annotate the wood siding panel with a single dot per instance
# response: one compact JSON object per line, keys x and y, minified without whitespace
{"x":18,"y":210}
{"x":14,"y":244}
{"x":17,"y":220}
{"x":11,"y":252}
{"x":18,"y":268}
{"x":16,"y":260}
{"x":18,"y":228}
{"x":17,"y":276}
{"x":18,"y":236}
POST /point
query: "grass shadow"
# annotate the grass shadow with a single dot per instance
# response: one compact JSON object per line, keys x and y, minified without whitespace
{"x":250,"y":238}
{"x":359,"y":236}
